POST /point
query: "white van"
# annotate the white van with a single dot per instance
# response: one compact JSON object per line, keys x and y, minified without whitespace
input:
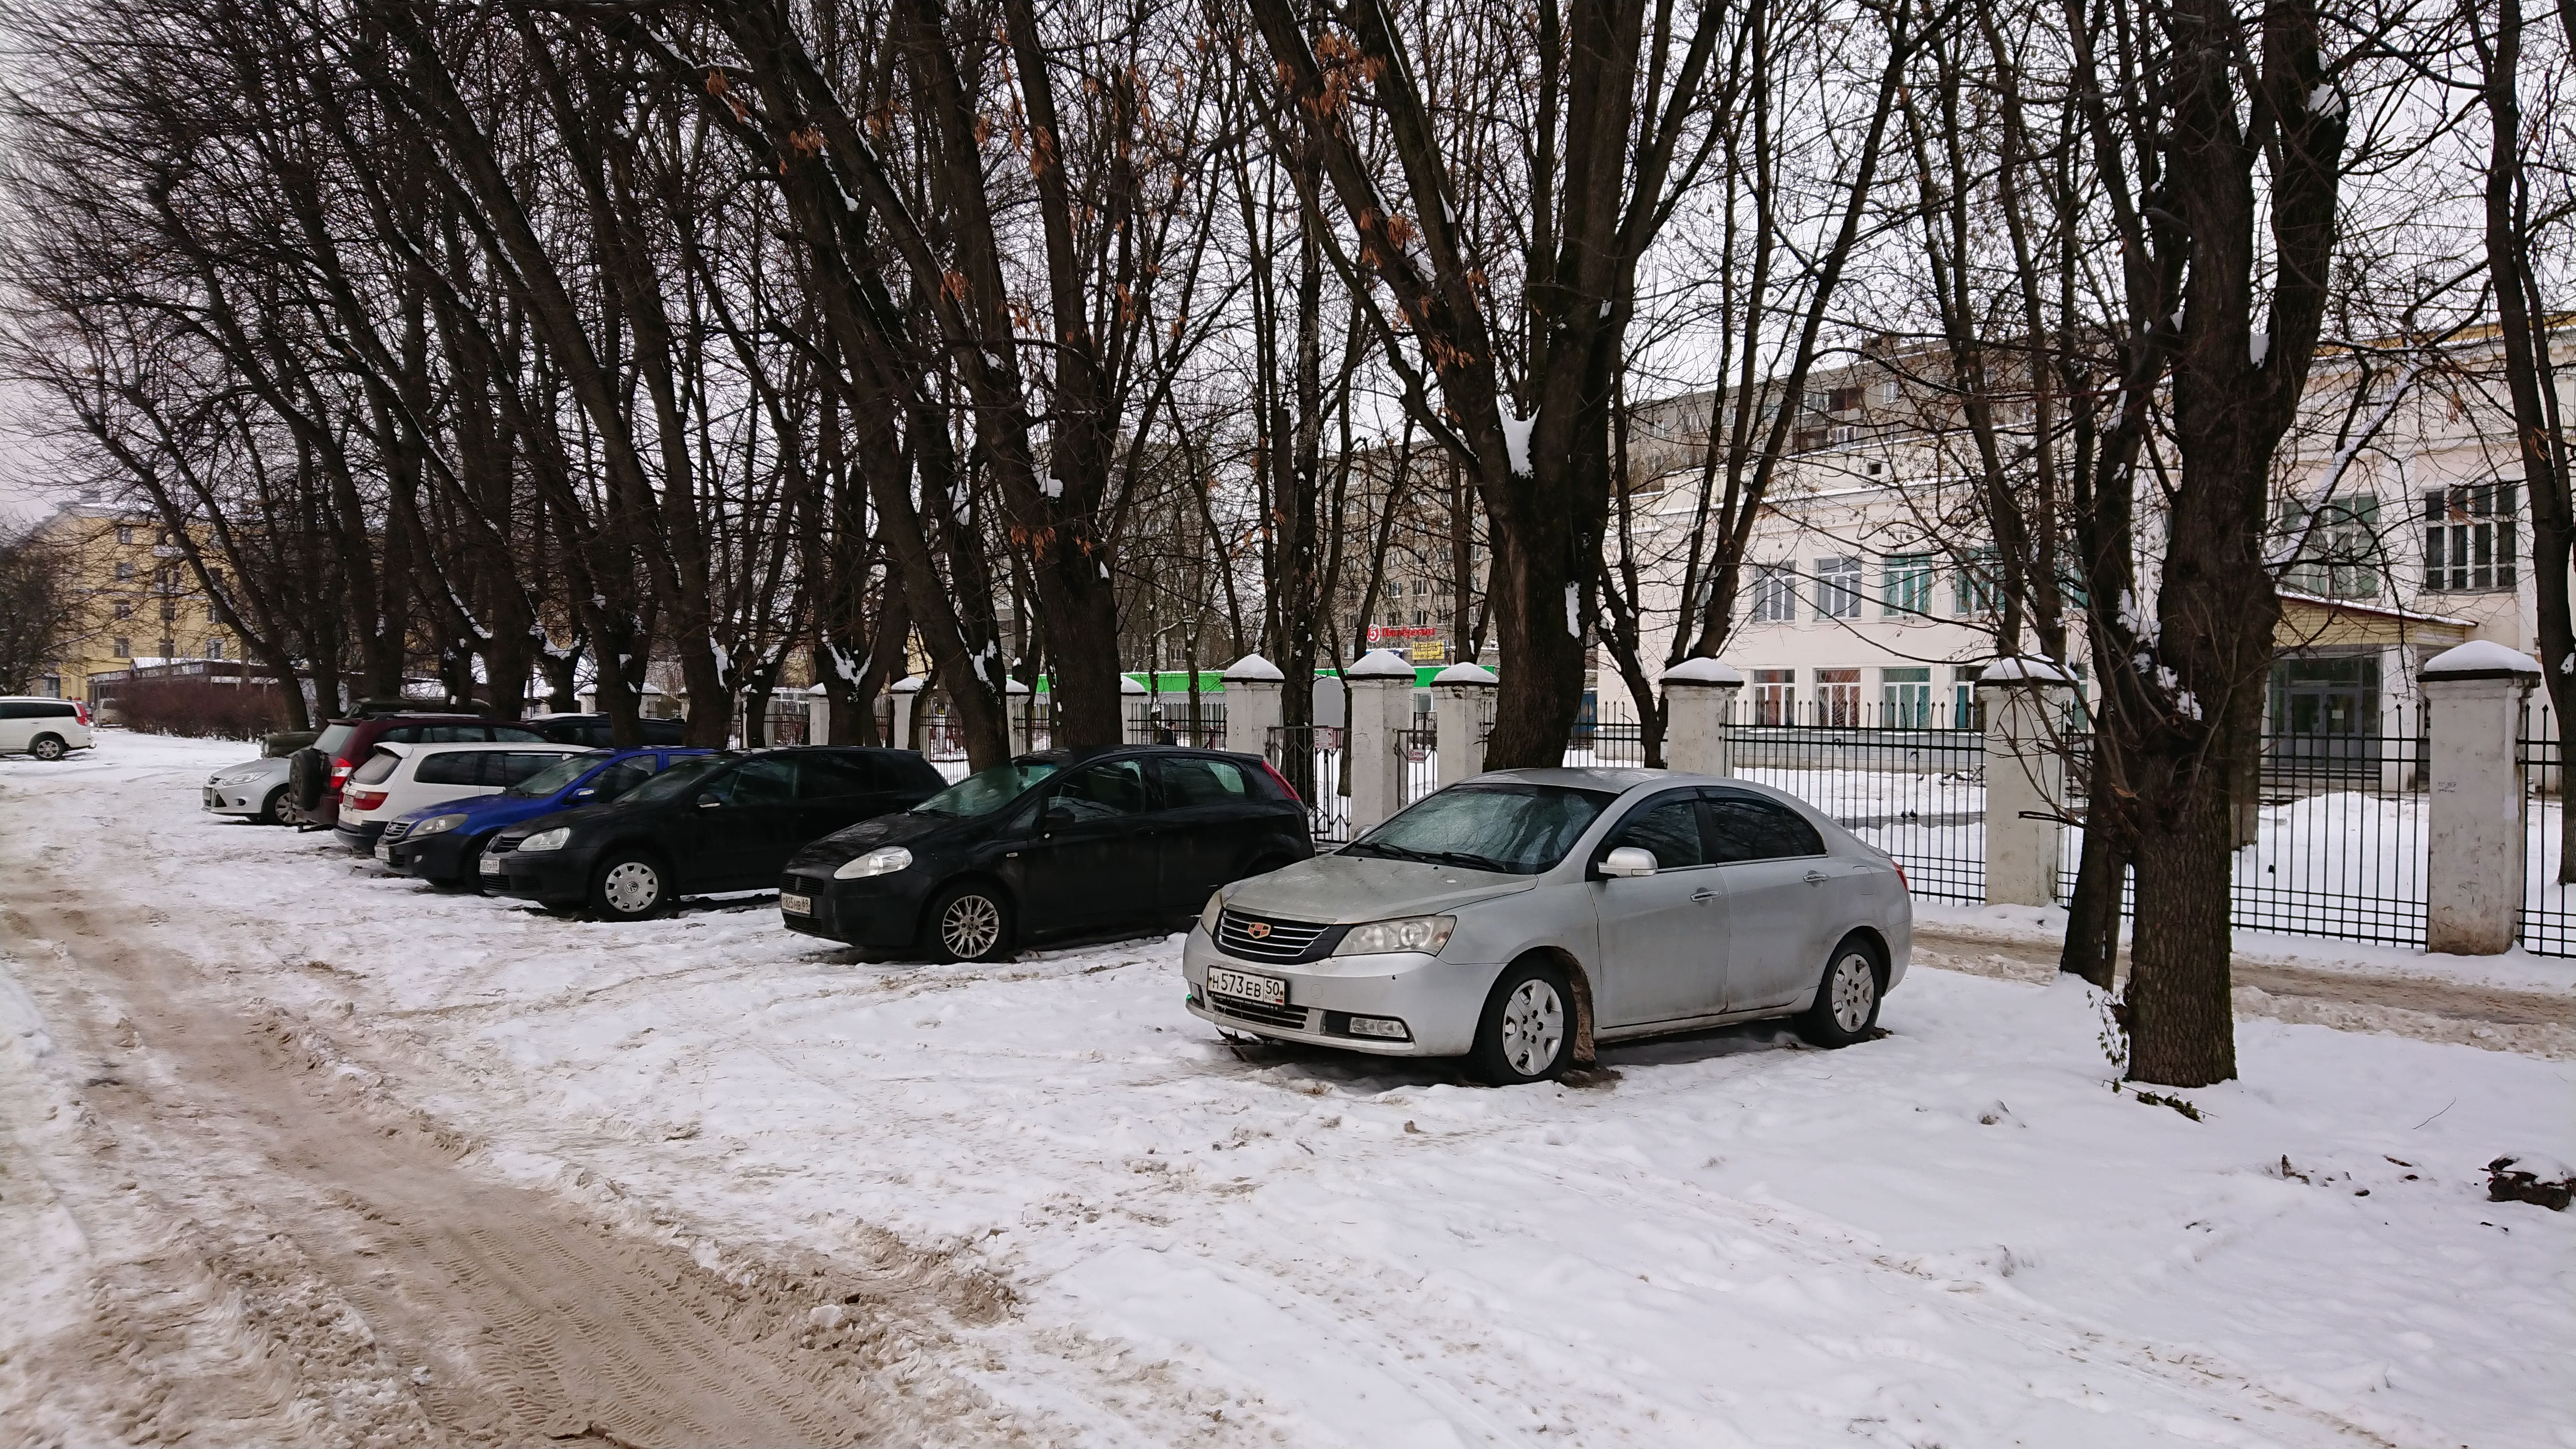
{"x":400,"y":778}
{"x":45,"y":728}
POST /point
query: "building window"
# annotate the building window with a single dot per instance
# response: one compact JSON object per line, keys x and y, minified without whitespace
{"x":2337,"y":546}
{"x":1972,"y":588}
{"x":1775,"y":696}
{"x":210,"y":615}
{"x":125,"y":608}
{"x":215,"y":648}
{"x":124,"y":573}
{"x":1905,"y":698}
{"x":1421,"y":618}
{"x":125,"y":533}
{"x":1963,"y":696}
{"x":124,"y":647}
{"x":1838,"y":697}
{"x":2469,"y":537}
{"x":1775,"y":594}
{"x":1908,"y":591}
{"x":1838,"y":588}
{"x":54,"y":685}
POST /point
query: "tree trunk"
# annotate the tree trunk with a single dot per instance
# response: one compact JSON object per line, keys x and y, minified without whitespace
{"x":2180,"y":1022}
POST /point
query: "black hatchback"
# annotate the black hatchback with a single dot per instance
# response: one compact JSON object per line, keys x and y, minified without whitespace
{"x":1051,"y":844}
{"x":707,"y":823}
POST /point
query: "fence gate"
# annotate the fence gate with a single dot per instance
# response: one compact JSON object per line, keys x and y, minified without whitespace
{"x":1309,"y":758}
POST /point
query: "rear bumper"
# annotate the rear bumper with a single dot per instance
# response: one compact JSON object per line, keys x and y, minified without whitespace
{"x":883,"y":914}
{"x":550,"y":877}
{"x":361,"y":837}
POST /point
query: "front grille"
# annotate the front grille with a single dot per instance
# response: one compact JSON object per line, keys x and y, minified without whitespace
{"x":501,"y":845}
{"x":1278,"y":941}
{"x":1293,"y":1018}
{"x":396,"y":831}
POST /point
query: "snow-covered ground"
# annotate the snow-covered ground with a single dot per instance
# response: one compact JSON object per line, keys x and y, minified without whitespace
{"x":1959,"y":1234}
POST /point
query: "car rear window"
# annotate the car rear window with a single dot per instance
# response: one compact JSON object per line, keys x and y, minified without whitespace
{"x":824,"y":777}
{"x":509,"y":767}
{"x":332,"y":738}
{"x":1188,"y":782}
{"x":378,"y":766}
{"x":451,"y":767}
{"x":509,"y":734}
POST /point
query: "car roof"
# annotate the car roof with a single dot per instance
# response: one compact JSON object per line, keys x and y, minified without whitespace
{"x":1614,"y":778}
{"x":1084,"y":754}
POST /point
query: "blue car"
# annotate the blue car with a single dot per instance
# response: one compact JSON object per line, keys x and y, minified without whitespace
{"x":443,"y":844}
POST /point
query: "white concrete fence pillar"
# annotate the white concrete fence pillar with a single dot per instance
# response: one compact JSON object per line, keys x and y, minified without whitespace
{"x":1253,"y":702}
{"x":818,"y":715}
{"x":1020,"y":705}
{"x":2474,"y":865}
{"x":907,"y":698}
{"x":2025,"y":705}
{"x":1699,"y":704}
{"x":1380,"y":689}
{"x":1462,"y":707}
{"x":1135,"y":710}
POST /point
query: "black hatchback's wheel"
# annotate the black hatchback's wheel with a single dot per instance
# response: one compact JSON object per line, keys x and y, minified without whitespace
{"x":47,"y":747}
{"x":629,"y":887}
{"x":1527,"y":1031}
{"x":970,"y":922}
{"x":1847,"y":999}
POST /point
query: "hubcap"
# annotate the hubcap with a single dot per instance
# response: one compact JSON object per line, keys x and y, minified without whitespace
{"x":631,"y":886}
{"x":1533,"y":1027}
{"x":48,"y":750}
{"x":970,"y":926}
{"x":1855,"y":991}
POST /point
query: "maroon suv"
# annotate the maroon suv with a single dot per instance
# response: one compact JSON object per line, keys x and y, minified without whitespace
{"x":316,"y":774}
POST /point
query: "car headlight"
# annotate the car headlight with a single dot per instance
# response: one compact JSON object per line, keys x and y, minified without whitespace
{"x":876,"y":862}
{"x":436,"y":824}
{"x":1208,"y":913}
{"x":548,"y":839}
{"x":1426,"y":934}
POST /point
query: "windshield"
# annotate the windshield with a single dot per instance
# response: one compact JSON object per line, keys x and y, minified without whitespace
{"x":986,"y":791}
{"x":1512,"y":829}
{"x":554,"y":777}
{"x":682,"y":778}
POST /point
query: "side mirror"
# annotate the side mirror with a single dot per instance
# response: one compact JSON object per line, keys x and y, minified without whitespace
{"x":585,"y":792}
{"x":1055,"y":817}
{"x":1628,"y":862}
{"x":708,"y":802}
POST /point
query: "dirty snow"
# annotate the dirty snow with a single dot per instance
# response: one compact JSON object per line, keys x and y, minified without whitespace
{"x":1959,"y":1234}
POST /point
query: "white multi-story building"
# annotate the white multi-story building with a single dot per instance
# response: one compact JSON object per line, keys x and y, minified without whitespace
{"x":2398,"y":531}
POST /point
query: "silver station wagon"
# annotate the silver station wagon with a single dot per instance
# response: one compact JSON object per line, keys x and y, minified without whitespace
{"x":1520,"y":917}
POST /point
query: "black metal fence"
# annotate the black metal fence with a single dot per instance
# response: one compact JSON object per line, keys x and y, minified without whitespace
{"x":2548,"y":922}
{"x":2331,"y":846}
{"x":1418,"y":749}
{"x":1309,"y":758}
{"x":1896,"y":778}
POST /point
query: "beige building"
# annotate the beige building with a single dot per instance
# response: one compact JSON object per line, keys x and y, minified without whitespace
{"x":2397,"y":529}
{"x":138,"y":601}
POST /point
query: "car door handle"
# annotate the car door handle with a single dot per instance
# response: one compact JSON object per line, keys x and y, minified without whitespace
{"x":1816,"y":877}
{"x":1703,"y":895}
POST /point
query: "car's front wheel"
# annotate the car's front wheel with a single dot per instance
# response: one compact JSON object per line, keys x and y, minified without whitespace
{"x":629,"y":887}
{"x":1527,"y":1033}
{"x":268,"y":808}
{"x":1847,"y":999}
{"x":970,"y":922}
{"x":48,"y":747}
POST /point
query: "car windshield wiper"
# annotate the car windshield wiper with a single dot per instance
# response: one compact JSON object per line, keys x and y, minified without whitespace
{"x":1391,"y":852}
{"x":1472,"y":861}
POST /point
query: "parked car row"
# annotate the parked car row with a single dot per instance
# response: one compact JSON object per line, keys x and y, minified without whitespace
{"x":1510,"y":919}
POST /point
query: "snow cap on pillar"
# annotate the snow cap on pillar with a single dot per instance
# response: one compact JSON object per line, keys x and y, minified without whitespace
{"x":820,"y":689}
{"x":1703,"y":672}
{"x":2022,"y":669}
{"x":1475,"y":674}
{"x":1253,"y":669}
{"x":2481,"y":659}
{"x":1379,"y":664}
{"x":1128,"y":684}
{"x":1014,"y":688}
{"x":909,"y":684}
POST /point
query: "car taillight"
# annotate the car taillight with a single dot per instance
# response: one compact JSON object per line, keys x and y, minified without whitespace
{"x":340,"y":770}
{"x":1274,"y":774}
{"x":366,"y":799}
{"x":80,"y":712}
{"x":1901,"y":881}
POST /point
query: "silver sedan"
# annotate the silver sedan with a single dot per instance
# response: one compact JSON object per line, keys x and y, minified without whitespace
{"x":253,"y":788}
{"x":1523,"y":916}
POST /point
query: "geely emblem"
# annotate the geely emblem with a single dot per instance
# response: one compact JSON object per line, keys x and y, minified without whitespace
{"x":1257,"y":930}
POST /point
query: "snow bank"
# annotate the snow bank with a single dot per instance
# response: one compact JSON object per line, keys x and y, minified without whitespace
{"x":1958,"y":1234}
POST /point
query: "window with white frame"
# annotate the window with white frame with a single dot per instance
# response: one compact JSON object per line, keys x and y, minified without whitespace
{"x":1775,"y":594}
{"x":2336,"y":546}
{"x":1838,"y":698}
{"x":1906,"y":590}
{"x":1775,"y":696}
{"x":1905,"y":697}
{"x":2469,"y":537}
{"x":1972,"y":587}
{"x":1838,"y":588}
